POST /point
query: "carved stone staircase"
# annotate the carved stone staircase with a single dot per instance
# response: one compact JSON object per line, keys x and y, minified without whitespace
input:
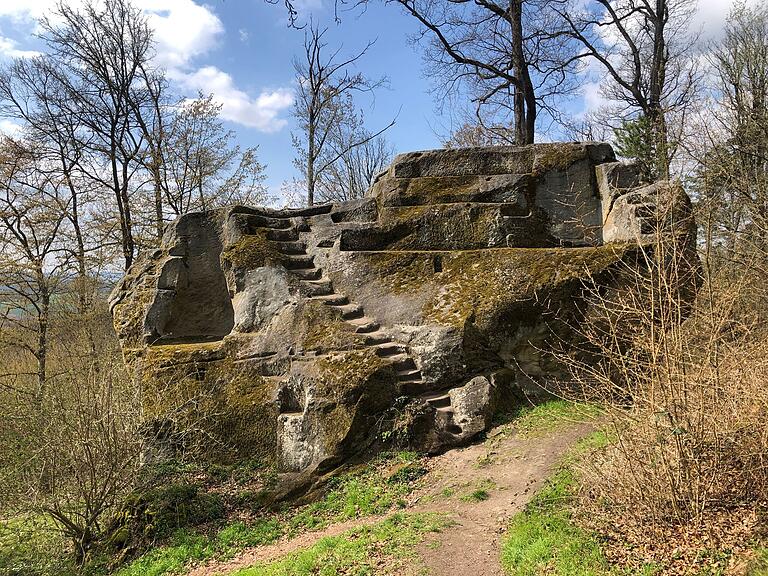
{"x":285,"y":236}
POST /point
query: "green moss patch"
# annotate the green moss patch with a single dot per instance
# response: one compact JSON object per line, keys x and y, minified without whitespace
{"x":207,"y":404}
{"x":484,"y":284}
{"x":437,"y":190}
{"x":345,"y":371}
{"x":401,"y":272}
{"x":323,"y":329}
{"x":557,"y":157}
{"x":251,"y":251}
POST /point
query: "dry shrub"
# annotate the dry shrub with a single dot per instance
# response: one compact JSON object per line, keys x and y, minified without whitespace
{"x":683,"y":386}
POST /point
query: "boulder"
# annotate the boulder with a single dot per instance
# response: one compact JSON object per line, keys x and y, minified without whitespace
{"x":316,"y":336}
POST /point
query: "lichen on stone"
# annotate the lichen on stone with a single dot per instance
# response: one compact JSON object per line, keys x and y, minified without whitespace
{"x":557,"y":156}
{"x":323,"y":329}
{"x":251,"y":251}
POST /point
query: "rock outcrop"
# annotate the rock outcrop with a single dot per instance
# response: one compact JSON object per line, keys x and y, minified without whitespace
{"x":413,"y":315}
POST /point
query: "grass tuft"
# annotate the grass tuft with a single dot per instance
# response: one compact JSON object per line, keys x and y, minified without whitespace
{"x":543,"y":418}
{"x":543,"y":540}
{"x":383,"y":548}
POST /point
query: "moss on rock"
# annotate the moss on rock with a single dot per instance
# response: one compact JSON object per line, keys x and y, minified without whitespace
{"x":483,"y":285}
{"x":251,"y":251}
{"x":206,"y":403}
{"x":557,"y":156}
{"x":323,"y":329}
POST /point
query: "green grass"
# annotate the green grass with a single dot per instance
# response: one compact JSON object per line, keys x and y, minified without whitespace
{"x":476,"y":496}
{"x":543,"y":418}
{"x":543,"y":540}
{"x":356,"y":495}
{"x":30,"y":547}
{"x":759,"y":566}
{"x":383,"y":548}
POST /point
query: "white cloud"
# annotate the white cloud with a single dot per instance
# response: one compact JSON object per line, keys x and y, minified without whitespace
{"x":8,"y":49}
{"x":9,"y":128}
{"x":185,"y":32}
{"x":262,"y":113}
{"x":25,"y":9}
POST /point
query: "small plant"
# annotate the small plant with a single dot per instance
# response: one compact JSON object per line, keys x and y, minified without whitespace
{"x":476,"y":496}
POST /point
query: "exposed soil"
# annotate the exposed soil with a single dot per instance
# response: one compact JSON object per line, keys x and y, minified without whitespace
{"x":504,"y":472}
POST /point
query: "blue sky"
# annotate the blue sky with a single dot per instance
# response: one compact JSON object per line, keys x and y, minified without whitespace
{"x":242,"y":52}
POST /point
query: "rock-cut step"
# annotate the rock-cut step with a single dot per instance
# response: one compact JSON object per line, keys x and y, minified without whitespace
{"x":308,"y":273}
{"x":298,"y":262}
{"x":364,"y":324}
{"x":331,"y":299}
{"x":314,"y":288}
{"x":349,"y":311}
{"x":409,"y":375}
{"x":286,"y":235}
{"x":376,"y":337}
{"x":292,"y":248}
{"x":389,"y":349}
{"x":437,"y":399}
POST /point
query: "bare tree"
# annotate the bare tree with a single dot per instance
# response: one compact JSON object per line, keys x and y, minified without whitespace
{"x":35,"y":264}
{"x":31,"y":94}
{"x":202,"y":168}
{"x":646,"y":51}
{"x":362,"y":158}
{"x":323,"y":104}
{"x":731,"y":142}
{"x":100,"y":53}
{"x":511,"y":58}
{"x":476,"y":134}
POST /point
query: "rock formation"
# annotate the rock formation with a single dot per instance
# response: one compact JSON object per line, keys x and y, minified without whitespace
{"x":411,"y":316}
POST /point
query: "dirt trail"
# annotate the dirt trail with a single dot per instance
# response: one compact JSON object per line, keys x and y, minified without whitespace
{"x":509,"y":469}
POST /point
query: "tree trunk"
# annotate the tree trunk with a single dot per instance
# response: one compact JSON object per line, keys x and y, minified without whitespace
{"x":655,"y":108}
{"x":311,"y":161}
{"x":525,"y":98}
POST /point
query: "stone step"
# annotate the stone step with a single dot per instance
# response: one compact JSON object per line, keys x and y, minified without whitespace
{"x":402,"y":362}
{"x":376,"y":337}
{"x":262,"y":221}
{"x":350,"y":311}
{"x":312,"y":288}
{"x":388,"y":349}
{"x":300,"y":262}
{"x":411,"y":388}
{"x":437,"y":399}
{"x":409,"y":375}
{"x":332,"y":299}
{"x":287,"y":235}
{"x":366,"y":327}
{"x":292,"y":247}
{"x":308,"y":273}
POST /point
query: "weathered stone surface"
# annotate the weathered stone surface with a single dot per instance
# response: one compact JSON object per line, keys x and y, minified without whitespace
{"x":307,"y":337}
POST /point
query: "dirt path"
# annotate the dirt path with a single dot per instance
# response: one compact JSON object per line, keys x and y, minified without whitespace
{"x":504,"y":472}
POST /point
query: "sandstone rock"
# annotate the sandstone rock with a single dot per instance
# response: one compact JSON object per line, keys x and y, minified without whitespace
{"x":308,"y":337}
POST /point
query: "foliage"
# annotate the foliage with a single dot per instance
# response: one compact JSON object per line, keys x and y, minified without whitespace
{"x":30,"y":546}
{"x":336,"y":155}
{"x":635,"y":140}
